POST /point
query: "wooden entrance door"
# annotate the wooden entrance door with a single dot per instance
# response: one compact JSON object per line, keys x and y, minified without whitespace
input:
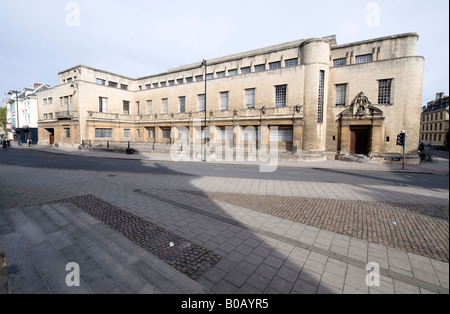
{"x":359,"y":142}
{"x":52,"y":139}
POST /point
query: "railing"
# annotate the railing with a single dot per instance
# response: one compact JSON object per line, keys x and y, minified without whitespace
{"x":243,"y":113}
{"x":66,"y":115}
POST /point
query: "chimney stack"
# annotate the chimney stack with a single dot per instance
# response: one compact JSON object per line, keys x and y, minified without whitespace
{"x":439,"y":96}
{"x":37,"y":85}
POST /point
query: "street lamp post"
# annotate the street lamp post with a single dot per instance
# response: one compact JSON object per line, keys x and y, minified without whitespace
{"x":204,"y":63}
{"x":17,"y":114}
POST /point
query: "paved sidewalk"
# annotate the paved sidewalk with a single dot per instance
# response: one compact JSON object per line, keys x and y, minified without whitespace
{"x":43,"y":224}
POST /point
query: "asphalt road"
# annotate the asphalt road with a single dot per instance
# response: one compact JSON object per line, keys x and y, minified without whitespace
{"x":29,"y":158}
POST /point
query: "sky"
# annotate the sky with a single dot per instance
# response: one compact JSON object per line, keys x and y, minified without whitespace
{"x":137,"y":38}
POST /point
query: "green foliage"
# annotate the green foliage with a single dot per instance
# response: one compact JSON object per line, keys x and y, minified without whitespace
{"x":3,"y":119}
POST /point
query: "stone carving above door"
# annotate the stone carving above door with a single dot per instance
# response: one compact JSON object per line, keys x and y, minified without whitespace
{"x":361,"y":108}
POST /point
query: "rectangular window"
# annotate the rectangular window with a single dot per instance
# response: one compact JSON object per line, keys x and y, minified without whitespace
{"x":50,"y":101}
{"x":260,"y":68}
{"x":245,"y":70}
{"x":224,"y":101}
{"x":126,"y":134}
{"x":138,"y":108}
{"x":148,"y":86}
{"x":280,"y":96}
{"x":232,"y":72}
{"x":149,"y":107}
{"x":291,"y":63}
{"x":44,"y":101}
{"x":339,"y":62}
{"x":155,"y":85}
{"x":282,"y":135}
{"x":165,"y":106}
{"x":201,"y":103}
{"x":180,"y":81}
{"x":182,"y":104}
{"x":275,"y":65}
{"x":250,"y":98}
{"x":126,"y":107}
{"x":341,"y":95}
{"x":189,"y":79}
{"x":171,"y":83}
{"x":199,"y":78}
{"x":103,"y":133}
{"x":45,"y":116}
{"x":384,"y":92}
{"x":50,"y":116}
{"x":166,"y":133}
{"x":151,"y":133}
{"x":363,"y":59}
{"x":103,"y":104}
{"x":163,"y":84}
{"x":321,"y":94}
{"x":66,"y":132}
{"x":210,"y":76}
{"x":101,"y":82}
{"x":221,"y":74}
{"x":112,"y":84}
{"x":440,"y":126}
{"x":124,"y":87}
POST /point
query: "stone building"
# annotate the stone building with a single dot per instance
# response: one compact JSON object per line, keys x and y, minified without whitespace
{"x":434,"y":125}
{"x":315,"y":98}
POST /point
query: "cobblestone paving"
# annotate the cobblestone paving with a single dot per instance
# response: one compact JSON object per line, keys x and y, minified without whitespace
{"x":415,"y":228}
{"x":187,"y":257}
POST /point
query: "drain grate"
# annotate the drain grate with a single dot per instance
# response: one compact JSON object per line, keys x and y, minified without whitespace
{"x":187,"y":257}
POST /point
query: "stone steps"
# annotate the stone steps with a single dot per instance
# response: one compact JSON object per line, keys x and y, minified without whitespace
{"x":44,"y":239}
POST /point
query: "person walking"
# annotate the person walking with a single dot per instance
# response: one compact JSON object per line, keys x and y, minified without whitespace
{"x":29,"y":142}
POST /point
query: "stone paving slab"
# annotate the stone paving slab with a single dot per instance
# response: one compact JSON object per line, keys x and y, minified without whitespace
{"x":311,"y":267}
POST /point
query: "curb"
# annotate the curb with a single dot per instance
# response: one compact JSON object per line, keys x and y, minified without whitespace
{"x":3,"y":272}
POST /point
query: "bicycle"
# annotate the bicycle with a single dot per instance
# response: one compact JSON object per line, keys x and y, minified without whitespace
{"x":85,"y":147}
{"x":428,"y":158}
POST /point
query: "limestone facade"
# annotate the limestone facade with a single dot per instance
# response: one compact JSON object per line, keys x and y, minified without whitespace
{"x":434,"y":126}
{"x":327,"y":101}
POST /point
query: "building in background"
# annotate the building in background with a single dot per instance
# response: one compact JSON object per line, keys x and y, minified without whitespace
{"x":22,"y":114}
{"x":326,"y":100}
{"x":434,"y":126}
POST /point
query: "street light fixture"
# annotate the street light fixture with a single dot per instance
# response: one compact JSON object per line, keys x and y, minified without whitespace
{"x":204,"y":63}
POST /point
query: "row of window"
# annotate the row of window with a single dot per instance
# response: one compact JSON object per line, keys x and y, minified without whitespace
{"x":209,"y":76}
{"x":358,"y":60}
{"x":432,"y":137}
{"x":384,"y":93}
{"x":282,"y":134}
{"x":112,"y":84}
{"x":250,"y":102}
{"x":425,"y":127}
{"x":431,"y":116}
